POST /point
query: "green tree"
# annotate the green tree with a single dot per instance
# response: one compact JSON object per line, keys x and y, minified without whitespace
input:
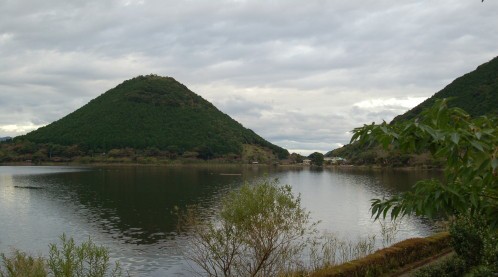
{"x":316,"y":158}
{"x":258,"y":232}
{"x":469,"y":147}
{"x":296,"y":158}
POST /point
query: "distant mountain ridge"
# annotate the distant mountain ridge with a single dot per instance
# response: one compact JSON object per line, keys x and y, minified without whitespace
{"x":475,"y":92}
{"x":152,"y":112}
{"x":5,"y":138}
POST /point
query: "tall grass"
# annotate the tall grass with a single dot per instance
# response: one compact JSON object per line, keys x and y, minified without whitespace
{"x":329,"y":250}
{"x":87,"y":259}
{"x":389,"y":231}
{"x":66,"y":259}
{"x":20,"y":264}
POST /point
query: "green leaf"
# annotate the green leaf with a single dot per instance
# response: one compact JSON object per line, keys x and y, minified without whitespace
{"x":473,"y":200}
{"x":466,"y":145}
{"x":429,"y":130}
{"x":455,"y":138}
{"x":477,"y":145}
{"x":384,"y":129}
{"x":395,"y":212}
{"x":356,"y":134}
{"x":483,"y":166}
{"x":494,"y":163}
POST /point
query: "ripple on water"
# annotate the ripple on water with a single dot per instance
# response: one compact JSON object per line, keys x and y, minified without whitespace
{"x":128,"y":210}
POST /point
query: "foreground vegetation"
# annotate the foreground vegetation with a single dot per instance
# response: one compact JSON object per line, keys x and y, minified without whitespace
{"x":262,"y":230}
{"x":391,"y":259}
{"x":467,"y":197}
{"x":65,"y":260}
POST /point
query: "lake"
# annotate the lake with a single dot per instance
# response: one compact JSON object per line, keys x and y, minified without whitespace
{"x":130,"y":209}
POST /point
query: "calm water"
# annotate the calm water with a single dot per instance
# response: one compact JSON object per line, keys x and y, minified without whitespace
{"x":129,"y":209}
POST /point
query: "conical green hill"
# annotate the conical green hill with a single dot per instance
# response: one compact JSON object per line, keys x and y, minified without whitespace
{"x":475,"y":92}
{"x":151,"y":111}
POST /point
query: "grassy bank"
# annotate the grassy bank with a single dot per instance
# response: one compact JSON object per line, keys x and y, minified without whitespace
{"x":391,"y":259}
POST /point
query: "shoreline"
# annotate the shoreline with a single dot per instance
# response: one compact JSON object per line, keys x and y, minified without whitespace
{"x":224,"y":164}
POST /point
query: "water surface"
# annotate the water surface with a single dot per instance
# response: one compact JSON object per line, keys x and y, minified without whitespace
{"x":130,"y":209}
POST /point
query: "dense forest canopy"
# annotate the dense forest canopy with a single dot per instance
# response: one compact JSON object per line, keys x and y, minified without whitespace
{"x":151,"y":112}
{"x":475,"y":92}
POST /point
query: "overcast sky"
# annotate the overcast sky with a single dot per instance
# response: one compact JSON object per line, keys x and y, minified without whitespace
{"x":299,"y":73}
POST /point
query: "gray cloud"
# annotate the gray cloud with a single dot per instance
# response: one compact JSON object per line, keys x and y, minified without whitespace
{"x":292,"y":71}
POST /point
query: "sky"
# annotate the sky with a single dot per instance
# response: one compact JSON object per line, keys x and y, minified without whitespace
{"x":302,"y":74}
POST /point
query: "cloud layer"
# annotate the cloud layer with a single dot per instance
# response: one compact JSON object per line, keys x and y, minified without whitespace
{"x":300,"y":73}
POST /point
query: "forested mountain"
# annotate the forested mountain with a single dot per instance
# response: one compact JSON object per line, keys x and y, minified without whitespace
{"x":151,"y":112}
{"x":475,"y":92}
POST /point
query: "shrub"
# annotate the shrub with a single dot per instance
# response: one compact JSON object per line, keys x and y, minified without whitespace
{"x":476,"y":243}
{"x":66,"y":260}
{"x":467,"y":237}
{"x":260,"y":231}
{"x":484,"y":271}
{"x":19,"y":264}
{"x":451,"y":267}
{"x":85,"y":260}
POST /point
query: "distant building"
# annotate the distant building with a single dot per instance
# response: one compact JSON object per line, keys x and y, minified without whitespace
{"x":334,"y":160}
{"x":340,"y":160}
{"x":307,"y":162}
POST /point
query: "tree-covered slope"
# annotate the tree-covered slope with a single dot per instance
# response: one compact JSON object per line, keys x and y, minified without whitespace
{"x":475,"y":92}
{"x":151,"y":111}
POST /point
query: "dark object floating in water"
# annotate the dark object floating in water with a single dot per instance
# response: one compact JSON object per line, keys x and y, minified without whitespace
{"x":27,"y":187}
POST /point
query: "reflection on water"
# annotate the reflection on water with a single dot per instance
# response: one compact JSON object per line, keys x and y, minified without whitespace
{"x":136,"y":204}
{"x":130,"y":209}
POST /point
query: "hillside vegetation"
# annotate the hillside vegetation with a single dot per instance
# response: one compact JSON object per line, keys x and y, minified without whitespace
{"x":475,"y":92}
{"x":151,"y":112}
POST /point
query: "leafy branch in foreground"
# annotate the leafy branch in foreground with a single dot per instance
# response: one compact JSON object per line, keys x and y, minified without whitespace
{"x":469,"y":193}
{"x":469,"y":146}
